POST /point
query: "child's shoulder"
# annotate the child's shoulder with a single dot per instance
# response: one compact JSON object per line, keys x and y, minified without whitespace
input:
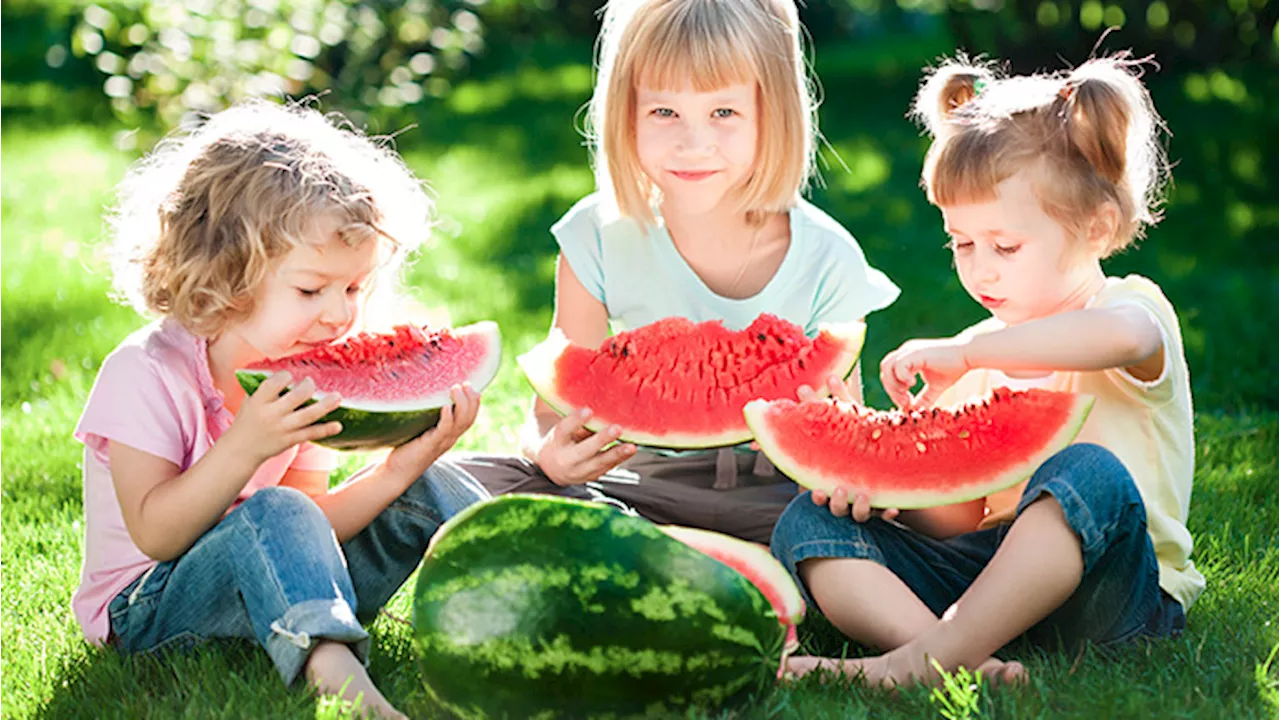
{"x":593,"y":217}
{"x":160,"y":348}
{"x":1133,"y":289}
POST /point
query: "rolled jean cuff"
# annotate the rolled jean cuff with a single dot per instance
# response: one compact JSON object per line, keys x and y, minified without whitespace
{"x":1079,"y":516}
{"x":296,"y":633}
{"x":819,"y":549}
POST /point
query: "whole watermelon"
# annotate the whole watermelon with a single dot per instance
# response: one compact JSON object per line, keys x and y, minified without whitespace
{"x":538,"y":606}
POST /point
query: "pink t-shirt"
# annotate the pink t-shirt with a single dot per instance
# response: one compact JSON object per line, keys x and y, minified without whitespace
{"x":153,"y":393}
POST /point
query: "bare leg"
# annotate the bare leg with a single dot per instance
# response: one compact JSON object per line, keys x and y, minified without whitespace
{"x":885,"y":613}
{"x":1035,"y":570}
{"x":332,"y":665}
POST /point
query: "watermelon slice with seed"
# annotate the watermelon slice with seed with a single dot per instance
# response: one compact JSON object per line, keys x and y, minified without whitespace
{"x":918,"y":459}
{"x":679,"y":384}
{"x":393,"y":384}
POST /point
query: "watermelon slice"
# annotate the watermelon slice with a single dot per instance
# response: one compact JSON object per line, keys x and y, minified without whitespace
{"x":919,"y":458}
{"x":532,"y":606}
{"x":679,"y":384}
{"x":393,"y":384}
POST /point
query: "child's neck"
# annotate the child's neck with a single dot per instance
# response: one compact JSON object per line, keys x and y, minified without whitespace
{"x":226,"y":353}
{"x":734,"y":258}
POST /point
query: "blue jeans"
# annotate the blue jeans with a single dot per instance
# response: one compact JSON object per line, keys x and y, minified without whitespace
{"x":272,"y":570}
{"x":1118,"y":599}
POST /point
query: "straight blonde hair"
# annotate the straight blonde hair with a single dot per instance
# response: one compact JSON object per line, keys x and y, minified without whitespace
{"x":1089,"y":136}
{"x":706,"y":44}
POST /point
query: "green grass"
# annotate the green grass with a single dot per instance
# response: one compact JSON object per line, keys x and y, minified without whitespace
{"x":505,"y":162}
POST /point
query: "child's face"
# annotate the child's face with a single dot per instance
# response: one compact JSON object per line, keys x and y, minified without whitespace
{"x":1013,"y":258}
{"x":696,"y":146}
{"x":313,"y":295}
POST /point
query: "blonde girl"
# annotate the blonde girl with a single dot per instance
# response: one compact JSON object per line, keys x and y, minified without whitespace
{"x":1039,"y":179}
{"x":702,"y":129}
{"x":208,"y":513}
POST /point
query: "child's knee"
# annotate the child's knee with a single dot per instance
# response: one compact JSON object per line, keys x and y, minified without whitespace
{"x":281,"y":507}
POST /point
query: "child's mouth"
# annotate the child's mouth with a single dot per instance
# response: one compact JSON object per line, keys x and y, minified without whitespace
{"x":692,"y":175}
{"x":989,"y":303}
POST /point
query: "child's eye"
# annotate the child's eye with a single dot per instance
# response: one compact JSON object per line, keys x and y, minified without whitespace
{"x":664,"y":112}
{"x":307,"y":292}
{"x":958,"y":245}
{"x":723,"y":113}
{"x":1008,"y":250}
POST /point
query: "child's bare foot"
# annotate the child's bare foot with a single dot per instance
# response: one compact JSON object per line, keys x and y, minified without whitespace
{"x":332,"y":669}
{"x":892,"y":669}
{"x":1003,"y":672}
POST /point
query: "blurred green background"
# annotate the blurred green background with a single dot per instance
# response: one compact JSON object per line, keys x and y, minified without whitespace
{"x":485,"y":100}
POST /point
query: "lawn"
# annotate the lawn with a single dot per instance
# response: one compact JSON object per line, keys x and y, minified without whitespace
{"x":505,"y":161}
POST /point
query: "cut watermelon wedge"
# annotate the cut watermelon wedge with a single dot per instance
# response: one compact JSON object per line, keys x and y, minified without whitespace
{"x":920,"y":458}
{"x":393,"y":384}
{"x":680,"y":384}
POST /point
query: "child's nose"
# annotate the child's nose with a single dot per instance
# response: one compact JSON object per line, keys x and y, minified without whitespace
{"x":697,"y":138}
{"x":339,"y":311}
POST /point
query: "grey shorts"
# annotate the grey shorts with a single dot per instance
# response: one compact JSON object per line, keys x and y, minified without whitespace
{"x":737,"y":493}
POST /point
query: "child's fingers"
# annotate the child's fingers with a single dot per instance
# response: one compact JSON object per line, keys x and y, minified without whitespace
{"x":839,"y":504}
{"x":587,"y":449}
{"x":570,"y":425}
{"x":806,"y":394}
{"x":819,"y":497}
{"x":308,"y":414}
{"x":603,"y":462}
{"x":861,"y":508}
{"x":271,"y":388}
{"x":839,"y":390}
{"x":319,"y":431}
{"x":889,"y":513}
{"x":754,"y":446}
{"x":300,"y":393}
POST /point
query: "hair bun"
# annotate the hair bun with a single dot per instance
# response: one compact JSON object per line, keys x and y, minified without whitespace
{"x":947,"y":88}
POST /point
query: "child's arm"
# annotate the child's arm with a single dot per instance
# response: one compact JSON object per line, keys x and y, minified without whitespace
{"x":564,"y":449}
{"x":1125,"y":336}
{"x":166,"y":511}
{"x":351,"y":506}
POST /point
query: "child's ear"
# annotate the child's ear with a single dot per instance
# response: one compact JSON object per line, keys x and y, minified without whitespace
{"x":1102,"y":227}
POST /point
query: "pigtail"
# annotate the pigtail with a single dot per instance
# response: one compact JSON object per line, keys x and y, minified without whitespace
{"x":945,"y":89}
{"x":1110,"y":120}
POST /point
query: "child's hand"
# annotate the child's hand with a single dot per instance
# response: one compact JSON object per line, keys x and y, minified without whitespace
{"x":939,"y":362}
{"x":860,"y":510}
{"x":572,"y":455}
{"x":806,"y":394}
{"x":269,"y":423}
{"x":413,"y":458}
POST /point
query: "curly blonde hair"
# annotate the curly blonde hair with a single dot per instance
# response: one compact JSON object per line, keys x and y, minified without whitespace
{"x":710,"y":44}
{"x":200,"y":220}
{"x":1090,"y":136}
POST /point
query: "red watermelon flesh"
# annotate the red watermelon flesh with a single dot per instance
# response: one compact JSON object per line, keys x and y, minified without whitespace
{"x":679,"y":384}
{"x":918,"y":459}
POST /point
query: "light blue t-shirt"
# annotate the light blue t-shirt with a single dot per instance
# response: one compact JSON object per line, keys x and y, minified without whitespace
{"x":640,"y":277}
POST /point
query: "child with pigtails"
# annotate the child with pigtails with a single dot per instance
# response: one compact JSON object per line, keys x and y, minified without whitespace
{"x":1039,"y":178}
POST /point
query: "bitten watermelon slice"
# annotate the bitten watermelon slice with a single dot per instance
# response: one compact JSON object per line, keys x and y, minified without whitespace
{"x":393,"y":384}
{"x":679,"y":384}
{"x":919,"y":458}
{"x":541,"y":606}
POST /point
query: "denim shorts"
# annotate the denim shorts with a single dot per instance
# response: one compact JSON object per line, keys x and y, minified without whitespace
{"x":1119,"y":596}
{"x":273,"y":571}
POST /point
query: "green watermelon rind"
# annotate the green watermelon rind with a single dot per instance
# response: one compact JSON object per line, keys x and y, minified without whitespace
{"x":365,"y":428}
{"x":757,"y":415}
{"x":539,"y":365}
{"x":654,"y":666}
